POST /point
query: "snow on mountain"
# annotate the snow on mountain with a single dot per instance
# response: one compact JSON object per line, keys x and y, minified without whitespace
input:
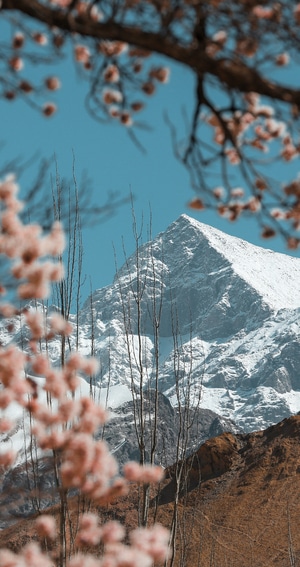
{"x":209,"y":319}
{"x":227,"y":314}
{"x":275,"y":276}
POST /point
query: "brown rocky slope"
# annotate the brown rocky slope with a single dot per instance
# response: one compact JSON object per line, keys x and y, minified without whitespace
{"x":240,"y":505}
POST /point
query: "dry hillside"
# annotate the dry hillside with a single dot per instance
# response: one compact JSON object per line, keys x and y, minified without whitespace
{"x":240,"y":506}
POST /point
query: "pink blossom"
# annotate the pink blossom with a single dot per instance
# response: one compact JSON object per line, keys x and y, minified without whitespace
{"x":8,"y":189}
{"x":83,"y":8}
{"x":89,"y":532}
{"x":49,"y":108}
{"x":7,"y":458}
{"x":32,"y":556}
{"x":153,"y":541}
{"x":237,"y":192}
{"x":68,"y":410}
{"x":40,"y":364}
{"x":11,"y":226}
{"x":26,"y":87}
{"x":261,"y":184}
{"x":7,"y":396}
{"x":277,"y":214}
{"x":126,"y":118}
{"x":40,"y":38}
{"x":91,"y":416}
{"x":261,"y":133}
{"x":253,"y":205}
{"x":75,"y":361}
{"x":289,"y":152}
{"x":142,"y":473}
{"x":90,"y":366}
{"x":114,"y":112}
{"x":130,"y":556}
{"x":161,"y":74}
{"x":268,"y":232}
{"x":233,"y":156}
{"x":38,"y":278}
{"x":264,"y":110}
{"x":53,"y":440}
{"x":42,"y":413}
{"x":112,"y":532}
{"x":67,"y":425}
{"x":219,"y":136}
{"x":219,"y":192}
{"x":262,"y":12}
{"x":87,"y":365}
{"x":36,"y":324}
{"x":256,"y":143}
{"x":282,"y":59}
{"x":70,"y":379}
{"x":220,"y":37}
{"x":55,"y":384}
{"x":275,"y":127}
{"x":82,"y":54}
{"x":8,"y":558}
{"x":252,"y":98}
{"x":111,"y":74}
{"x":79,"y":457}
{"x":12,"y":362}
{"x":110,"y":48}
{"x":52,"y":83}
{"x":59,"y":325}
{"x":56,"y":272}
{"x":84,"y":560}
{"x":148,"y":88}
{"x":7,"y":310}
{"x":137,"y":106}
{"x":46,"y":526}
{"x":247,"y":118}
{"x":5,"y":425}
{"x":18,"y":40}
{"x":112,"y":96}
{"x":16,"y":63}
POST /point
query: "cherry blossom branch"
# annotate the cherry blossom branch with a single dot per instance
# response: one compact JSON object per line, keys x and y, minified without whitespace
{"x":235,"y":74}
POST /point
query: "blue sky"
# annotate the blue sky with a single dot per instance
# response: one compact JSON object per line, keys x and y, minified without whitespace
{"x":157,"y":181}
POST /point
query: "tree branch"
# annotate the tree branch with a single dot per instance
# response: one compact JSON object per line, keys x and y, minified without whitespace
{"x":235,"y":75}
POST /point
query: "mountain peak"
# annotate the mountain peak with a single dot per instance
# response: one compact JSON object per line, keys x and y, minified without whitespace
{"x":273,"y":275}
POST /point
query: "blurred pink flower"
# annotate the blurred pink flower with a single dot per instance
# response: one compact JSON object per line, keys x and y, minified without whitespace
{"x":46,"y":526}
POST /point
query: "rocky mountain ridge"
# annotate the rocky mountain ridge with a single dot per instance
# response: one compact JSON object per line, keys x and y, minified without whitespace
{"x":209,"y":320}
{"x":202,"y":313}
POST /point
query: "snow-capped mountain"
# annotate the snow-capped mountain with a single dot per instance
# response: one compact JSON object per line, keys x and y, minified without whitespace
{"x":205,"y":316}
{"x":208,"y":319}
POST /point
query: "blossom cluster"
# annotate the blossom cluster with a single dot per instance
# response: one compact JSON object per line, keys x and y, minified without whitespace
{"x":241,"y":133}
{"x":116,"y":72}
{"x":67,"y":427}
{"x":121,"y":66}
